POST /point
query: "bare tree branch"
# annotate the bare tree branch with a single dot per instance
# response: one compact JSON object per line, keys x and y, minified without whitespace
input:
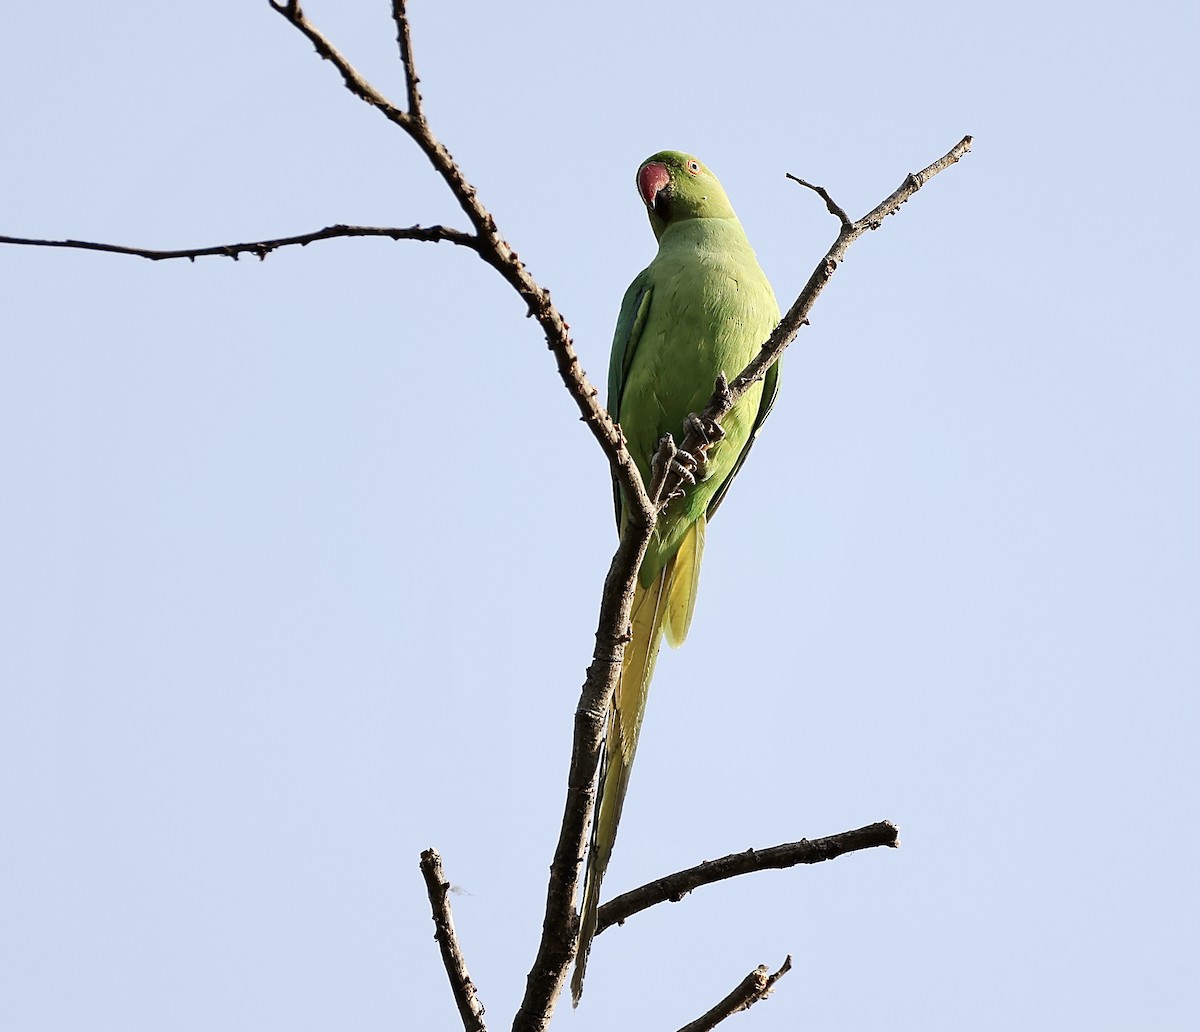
{"x":261,"y":248}
{"x":469,"y":1007}
{"x":354,"y":82}
{"x":557,"y":947}
{"x":412,"y":120}
{"x":754,"y":987}
{"x":491,"y":245}
{"x":556,"y":950}
{"x":673,"y":887}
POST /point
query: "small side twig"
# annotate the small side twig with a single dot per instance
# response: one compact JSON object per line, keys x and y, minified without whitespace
{"x":754,"y":987}
{"x":673,"y":887}
{"x":831,"y":205}
{"x":469,"y":1007}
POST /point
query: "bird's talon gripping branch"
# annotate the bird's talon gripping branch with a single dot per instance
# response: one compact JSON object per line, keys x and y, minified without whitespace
{"x":695,"y":462}
{"x":709,"y":431}
{"x":682,"y":466}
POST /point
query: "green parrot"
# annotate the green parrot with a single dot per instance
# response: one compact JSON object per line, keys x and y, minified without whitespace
{"x":702,"y":307}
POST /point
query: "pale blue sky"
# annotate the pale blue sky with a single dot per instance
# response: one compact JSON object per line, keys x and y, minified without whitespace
{"x":300,"y":559}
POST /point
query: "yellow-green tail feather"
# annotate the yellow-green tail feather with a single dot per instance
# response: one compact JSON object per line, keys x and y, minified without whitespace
{"x":685,"y":580}
{"x":665,"y":606}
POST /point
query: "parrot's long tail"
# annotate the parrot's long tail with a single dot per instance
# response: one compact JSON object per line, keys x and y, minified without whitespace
{"x":665,"y":607}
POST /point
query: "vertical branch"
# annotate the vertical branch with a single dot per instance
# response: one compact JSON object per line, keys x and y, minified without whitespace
{"x":557,"y":947}
{"x":560,"y":925}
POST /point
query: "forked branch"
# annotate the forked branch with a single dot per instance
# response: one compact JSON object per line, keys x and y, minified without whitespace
{"x":556,"y":950}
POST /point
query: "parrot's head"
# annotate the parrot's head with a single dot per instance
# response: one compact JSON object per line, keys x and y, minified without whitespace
{"x":676,"y":186}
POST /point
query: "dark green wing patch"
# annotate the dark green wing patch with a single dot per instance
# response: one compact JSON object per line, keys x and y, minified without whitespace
{"x":635,"y":307}
{"x":769,"y":394}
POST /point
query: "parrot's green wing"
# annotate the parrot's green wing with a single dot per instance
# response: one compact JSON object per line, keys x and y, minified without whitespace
{"x":769,"y":394}
{"x":635,"y":306}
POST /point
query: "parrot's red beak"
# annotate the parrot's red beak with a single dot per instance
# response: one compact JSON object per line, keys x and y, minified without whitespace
{"x":652,"y":178}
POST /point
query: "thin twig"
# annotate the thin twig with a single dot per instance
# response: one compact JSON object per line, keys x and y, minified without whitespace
{"x":469,"y":1007}
{"x":354,"y":82}
{"x":673,"y":887}
{"x":261,"y":248}
{"x":833,"y":207}
{"x":754,"y":987}
{"x":404,"y":42}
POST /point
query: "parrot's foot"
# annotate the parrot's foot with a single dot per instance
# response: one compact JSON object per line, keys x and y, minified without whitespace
{"x":685,"y":467}
{"x":675,"y":470}
{"x":696,"y":462}
{"x":690,"y":468}
{"x":672,"y":469}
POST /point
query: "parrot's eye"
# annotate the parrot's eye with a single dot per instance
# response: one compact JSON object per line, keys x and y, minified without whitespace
{"x":693,"y":167}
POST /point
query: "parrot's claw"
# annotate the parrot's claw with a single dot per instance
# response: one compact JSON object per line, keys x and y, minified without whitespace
{"x":690,"y":467}
{"x":707,"y":430}
{"x":682,"y":466}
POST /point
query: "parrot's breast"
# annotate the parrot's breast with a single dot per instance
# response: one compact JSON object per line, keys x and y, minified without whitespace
{"x":711,"y":310}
